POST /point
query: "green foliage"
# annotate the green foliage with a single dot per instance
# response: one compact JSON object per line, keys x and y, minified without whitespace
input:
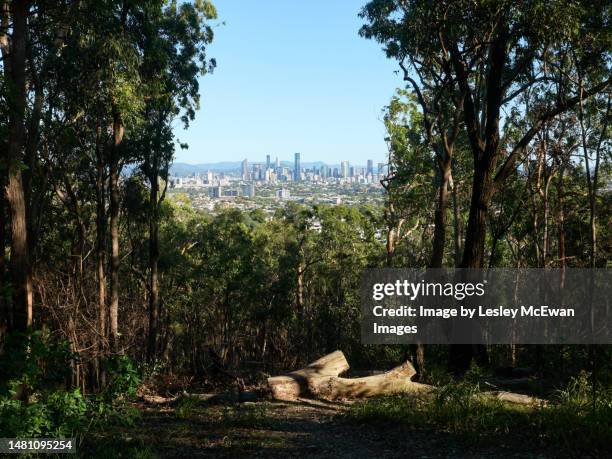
{"x":579,"y":419}
{"x":58,"y":413}
{"x":124,"y":378}
{"x":186,"y":407}
{"x":582,"y":415}
{"x":34,"y":401}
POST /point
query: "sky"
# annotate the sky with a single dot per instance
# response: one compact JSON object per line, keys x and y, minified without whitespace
{"x":291,"y":76}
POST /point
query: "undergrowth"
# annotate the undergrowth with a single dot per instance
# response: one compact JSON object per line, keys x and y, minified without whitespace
{"x":577,"y":419}
{"x":37,"y":399}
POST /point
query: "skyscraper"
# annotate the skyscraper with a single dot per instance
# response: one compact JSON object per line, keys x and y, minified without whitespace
{"x":267,"y":162}
{"x":245,"y":170}
{"x":297,"y":169}
{"x":370,"y":169}
{"x":344,"y":168}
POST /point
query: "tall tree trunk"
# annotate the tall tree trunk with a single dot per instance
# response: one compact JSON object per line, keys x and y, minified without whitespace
{"x":461,"y":355}
{"x":390,"y":245}
{"x":4,"y":310}
{"x":101,"y":255}
{"x":153,"y":265}
{"x":456,"y":222}
{"x":482,"y":190}
{"x":20,"y":258}
{"x":114,"y":229}
{"x":439,"y":242}
{"x":561,"y":221}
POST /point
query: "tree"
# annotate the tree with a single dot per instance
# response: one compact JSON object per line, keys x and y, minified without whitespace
{"x":174,"y":43}
{"x":495,"y":52}
{"x":15,"y":18}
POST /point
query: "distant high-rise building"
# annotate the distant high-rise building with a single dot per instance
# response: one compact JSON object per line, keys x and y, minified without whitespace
{"x":344,"y":169}
{"x":276,"y":163}
{"x":352,"y":171}
{"x":267,"y":162}
{"x":381,"y":168}
{"x":215,"y":191}
{"x":245,"y":170}
{"x":248,"y":190}
{"x":323,"y":171}
{"x":370,"y":169}
{"x":297,"y":168}
{"x":283,"y":193}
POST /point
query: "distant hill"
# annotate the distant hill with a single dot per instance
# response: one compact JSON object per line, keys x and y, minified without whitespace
{"x":183,"y":169}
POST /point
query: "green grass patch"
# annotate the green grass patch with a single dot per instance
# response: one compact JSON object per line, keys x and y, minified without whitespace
{"x":246,"y":416}
{"x":577,"y":419}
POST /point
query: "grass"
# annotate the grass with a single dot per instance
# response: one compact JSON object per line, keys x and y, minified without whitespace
{"x":246,"y":416}
{"x":576,"y":420}
{"x":249,"y":416}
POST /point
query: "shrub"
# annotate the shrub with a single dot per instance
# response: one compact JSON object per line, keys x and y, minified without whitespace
{"x":34,"y":400}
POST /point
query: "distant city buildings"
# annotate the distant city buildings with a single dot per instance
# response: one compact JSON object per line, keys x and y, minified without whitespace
{"x":344,"y":168}
{"x":216,"y":192}
{"x":248,"y":190}
{"x":245,"y":170}
{"x":297,"y":168}
{"x":276,"y":181}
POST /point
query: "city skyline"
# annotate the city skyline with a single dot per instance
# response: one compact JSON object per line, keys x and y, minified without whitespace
{"x":276,"y":160}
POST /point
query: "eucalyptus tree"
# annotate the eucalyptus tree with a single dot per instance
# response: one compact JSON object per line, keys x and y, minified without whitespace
{"x":411,"y":173}
{"x":173,"y":46}
{"x":497,"y":52}
{"x":13,"y":41}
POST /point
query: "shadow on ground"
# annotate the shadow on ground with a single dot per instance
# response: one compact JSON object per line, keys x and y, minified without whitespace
{"x":306,"y":428}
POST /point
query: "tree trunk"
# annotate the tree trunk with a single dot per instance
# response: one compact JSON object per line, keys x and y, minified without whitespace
{"x":482,"y":190}
{"x":439,"y":242}
{"x":114,"y":230}
{"x":456,"y":223}
{"x":101,"y":255}
{"x":460,"y":355}
{"x":321,"y":380}
{"x":20,"y":258}
{"x":4,"y":307}
{"x":561,"y":221}
{"x":153,"y":266}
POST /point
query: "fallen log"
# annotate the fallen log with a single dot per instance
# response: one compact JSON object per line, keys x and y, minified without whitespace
{"x":321,"y":379}
{"x":296,"y":383}
{"x":397,"y":380}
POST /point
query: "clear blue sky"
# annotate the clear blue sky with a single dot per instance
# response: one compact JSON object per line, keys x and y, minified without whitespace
{"x":292,"y":75}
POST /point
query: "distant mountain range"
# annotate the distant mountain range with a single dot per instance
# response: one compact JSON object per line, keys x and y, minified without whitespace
{"x":184,"y":169}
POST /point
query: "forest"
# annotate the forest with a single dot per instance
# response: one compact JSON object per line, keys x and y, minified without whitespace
{"x":143,"y":327}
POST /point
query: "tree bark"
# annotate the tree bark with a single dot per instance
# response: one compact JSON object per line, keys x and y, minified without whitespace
{"x":153,"y":266}
{"x":101,"y":254}
{"x":439,"y":242}
{"x":118,"y":131}
{"x":456,"y":223}
{"x":321,"y":379}
{"x":21,"y":276}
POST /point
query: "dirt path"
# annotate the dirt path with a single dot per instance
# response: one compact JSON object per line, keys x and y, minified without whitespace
{"x":275,"y":429}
